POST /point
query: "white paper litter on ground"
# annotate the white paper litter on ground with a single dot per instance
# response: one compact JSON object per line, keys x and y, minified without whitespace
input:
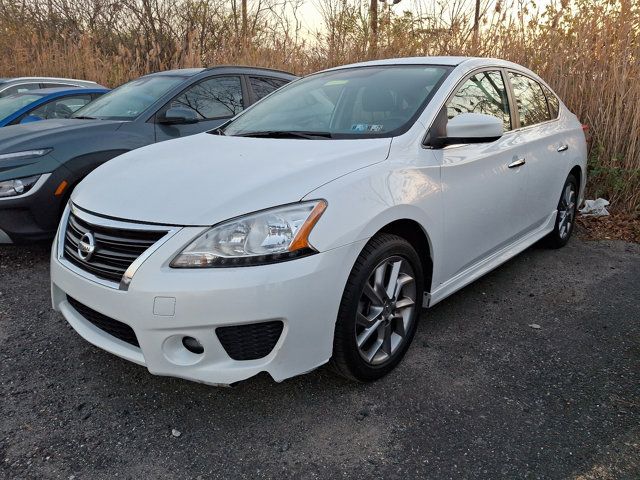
{"x":595,"y":208}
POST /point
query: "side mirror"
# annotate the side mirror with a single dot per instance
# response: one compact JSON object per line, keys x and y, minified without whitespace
{"x":178,"y":116}
{"x":470,"y":128}
{"x":31,"y":118}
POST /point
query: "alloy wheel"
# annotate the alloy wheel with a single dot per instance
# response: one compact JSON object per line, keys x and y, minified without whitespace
{"x":566,"y":211}
{"x":385,"y":310}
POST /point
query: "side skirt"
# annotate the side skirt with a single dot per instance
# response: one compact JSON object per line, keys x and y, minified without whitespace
{"x":489,"y":263}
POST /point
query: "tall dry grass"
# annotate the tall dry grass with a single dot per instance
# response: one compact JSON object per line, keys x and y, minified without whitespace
{"x":588,"y":50}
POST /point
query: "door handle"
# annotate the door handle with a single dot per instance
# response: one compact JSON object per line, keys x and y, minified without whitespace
{"x":517,"y":162}
{"x":562,"y":148}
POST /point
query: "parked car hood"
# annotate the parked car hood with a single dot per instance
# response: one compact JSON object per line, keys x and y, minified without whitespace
{"x":205,"y":179}
{"x":45,"y":134}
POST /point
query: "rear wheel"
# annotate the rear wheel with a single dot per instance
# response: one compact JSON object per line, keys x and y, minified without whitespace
{"x":565,"y":219}
{"x":379,"y":310}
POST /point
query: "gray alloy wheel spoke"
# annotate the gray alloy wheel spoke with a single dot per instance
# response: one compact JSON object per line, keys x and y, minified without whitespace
{"x":393,"y":279}
{"x":403,"y":280}
{"x":404,"y":303}
{"x":386,"y":310}
{"x":368,"y":332}
{"x":566,"y":211}
{"x":378,"y":281}
{"x":386,"y":340}
{"x":373,"y":296}
{"x":399,"y":325}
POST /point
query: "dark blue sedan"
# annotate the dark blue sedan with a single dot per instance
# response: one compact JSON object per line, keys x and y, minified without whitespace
{"x":44,"y":104}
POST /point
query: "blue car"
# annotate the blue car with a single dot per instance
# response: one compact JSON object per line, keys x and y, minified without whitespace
{"x":45,"y":103}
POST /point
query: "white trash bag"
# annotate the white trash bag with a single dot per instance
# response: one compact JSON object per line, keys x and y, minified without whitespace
{"x":595,"y":208}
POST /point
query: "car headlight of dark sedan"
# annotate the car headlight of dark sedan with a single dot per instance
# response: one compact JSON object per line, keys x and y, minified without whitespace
{"x":24,"y":155}
{"x":18,"y":186}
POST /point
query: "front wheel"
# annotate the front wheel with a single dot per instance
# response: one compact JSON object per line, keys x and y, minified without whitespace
{"x":565,"y":219}
{"x":379,"y":309}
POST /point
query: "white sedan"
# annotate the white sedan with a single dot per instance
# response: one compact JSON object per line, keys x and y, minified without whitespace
{"x":314,"y":226}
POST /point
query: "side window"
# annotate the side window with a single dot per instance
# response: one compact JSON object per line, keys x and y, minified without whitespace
{"x":554,"y":103}
{"x":530,"y":99}
{"x":57,"y":85}
{"x":213,"y":98}
{"x":263,"y":86}
{"x":24,"y":87}
{"x":483,"y":92}
{"x":61,"y":107}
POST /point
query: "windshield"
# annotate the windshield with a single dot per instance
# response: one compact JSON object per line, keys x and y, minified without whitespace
{"x":15,"y":102}
{"x":359,"y":102}
{"x":130,"y":100}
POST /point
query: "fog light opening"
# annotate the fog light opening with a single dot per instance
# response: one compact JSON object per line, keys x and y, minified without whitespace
{"x":193,"y":345}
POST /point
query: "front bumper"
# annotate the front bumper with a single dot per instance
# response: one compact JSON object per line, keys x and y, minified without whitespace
{"x":162,"y":305}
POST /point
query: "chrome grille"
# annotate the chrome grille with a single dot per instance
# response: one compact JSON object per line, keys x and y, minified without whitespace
{"x":115,"y":248}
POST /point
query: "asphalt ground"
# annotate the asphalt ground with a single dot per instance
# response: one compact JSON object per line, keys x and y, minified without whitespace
{"x":481,"y":393}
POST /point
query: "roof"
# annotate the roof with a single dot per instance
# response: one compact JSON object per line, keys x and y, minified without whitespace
{"x":447,"y":61}
{"x":185,"y":72}
{"x":189,"y":72}
{"x":51,"y":91}
{"x":13,"y":79}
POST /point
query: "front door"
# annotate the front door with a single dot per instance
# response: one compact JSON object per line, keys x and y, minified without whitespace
{"x":214,"y":100}
{"x":482,"y":185}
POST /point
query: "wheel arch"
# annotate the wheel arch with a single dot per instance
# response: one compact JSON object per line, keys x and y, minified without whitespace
{"x":576,"y":171}
{"x":419,"y":239}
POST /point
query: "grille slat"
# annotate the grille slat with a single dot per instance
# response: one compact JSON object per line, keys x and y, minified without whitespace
{"x":116,"y":248}
{"x":250,"y":342}
{"x":116,"y":329}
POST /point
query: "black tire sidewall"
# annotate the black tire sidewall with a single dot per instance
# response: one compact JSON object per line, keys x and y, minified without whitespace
{"x":555,"y":240}
{"x":346,"y":353}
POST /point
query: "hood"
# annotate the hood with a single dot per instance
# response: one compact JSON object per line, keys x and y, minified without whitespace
{"x":205,"y":179}
{"x":46,"y":133}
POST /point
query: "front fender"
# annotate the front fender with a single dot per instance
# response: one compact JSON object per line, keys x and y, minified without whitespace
{"x":364,"y":202}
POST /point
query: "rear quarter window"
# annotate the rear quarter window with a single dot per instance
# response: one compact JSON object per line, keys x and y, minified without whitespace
{"x":530,"y":100}
{"x":554,"y":103}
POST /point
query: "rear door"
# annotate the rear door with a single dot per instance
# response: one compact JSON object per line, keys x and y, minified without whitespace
{"x":260,"y":86}
{"x":19,"y":88}
{"x":214,"y":100}
{"x":545,"y":144}
{"x":483,"y":197}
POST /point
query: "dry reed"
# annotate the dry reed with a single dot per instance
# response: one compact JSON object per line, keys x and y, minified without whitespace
{"x":588,"y":50}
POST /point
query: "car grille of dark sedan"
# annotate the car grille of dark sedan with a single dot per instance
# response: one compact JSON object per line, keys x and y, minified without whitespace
{"x":250,"y":342}
{"x":115,"y":248}
{"x":117,"y":329}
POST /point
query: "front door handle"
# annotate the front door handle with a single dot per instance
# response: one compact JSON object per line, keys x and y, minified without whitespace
{"x":517,"y":162}
{"x":562,"y":148}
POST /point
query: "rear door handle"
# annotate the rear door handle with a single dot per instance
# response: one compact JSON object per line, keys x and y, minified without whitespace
{"x":562,"y":148}
{"x":517,"y":162}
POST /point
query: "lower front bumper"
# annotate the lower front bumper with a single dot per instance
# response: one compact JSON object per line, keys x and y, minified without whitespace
{"x":163,"y":305}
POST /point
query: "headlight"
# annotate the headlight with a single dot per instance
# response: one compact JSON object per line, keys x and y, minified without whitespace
{"x":26,"y":154}
{"x":19,"y":186}
{"x":264,"y":237}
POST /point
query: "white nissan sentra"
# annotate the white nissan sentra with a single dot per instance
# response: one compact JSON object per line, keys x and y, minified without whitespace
{"x":314,"y":226}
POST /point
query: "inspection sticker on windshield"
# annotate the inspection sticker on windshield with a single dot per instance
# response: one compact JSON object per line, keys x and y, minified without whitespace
{"x":365,"y":127}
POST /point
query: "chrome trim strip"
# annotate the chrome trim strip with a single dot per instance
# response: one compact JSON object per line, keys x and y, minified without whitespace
{"x":41,"y":181}
{"x":104,"y":222}
{"x":101,"y":221}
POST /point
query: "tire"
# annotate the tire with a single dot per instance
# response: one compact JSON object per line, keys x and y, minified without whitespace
{"x":565,"y":219}
{"x":374,"y":331}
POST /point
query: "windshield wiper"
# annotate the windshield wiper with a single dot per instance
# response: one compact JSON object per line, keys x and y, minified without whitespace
{"x":286,"y":134}
{"x":85,"y":117}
